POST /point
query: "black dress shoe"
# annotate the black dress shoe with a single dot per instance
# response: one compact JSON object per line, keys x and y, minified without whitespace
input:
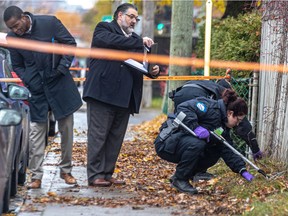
{"x":203,"y":176}
{"x":184,"y":186}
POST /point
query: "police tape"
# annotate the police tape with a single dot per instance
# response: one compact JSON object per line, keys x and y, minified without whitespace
{"x":78,"y":68}
{"x":109,"y":54}
{"x":160,"y":78}
{"x":165,"y":78}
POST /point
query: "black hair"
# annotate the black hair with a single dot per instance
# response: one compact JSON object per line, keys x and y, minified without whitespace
{"x":123,"y":8}
{"x":234,"y":103}
{"x":12,"y":11}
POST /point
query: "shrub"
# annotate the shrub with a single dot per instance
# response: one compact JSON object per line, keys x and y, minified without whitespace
{"x":233,"y":39}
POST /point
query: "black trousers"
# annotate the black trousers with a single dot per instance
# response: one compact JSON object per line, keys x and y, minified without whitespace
{"x":192,"y":155}
{"x":107,"y":126}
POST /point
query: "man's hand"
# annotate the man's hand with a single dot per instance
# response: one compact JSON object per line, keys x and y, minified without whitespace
{"x":147,"y":41}
{"x":258,"y":155}
{"x":155,"y":71}
{"x":248,"y":176}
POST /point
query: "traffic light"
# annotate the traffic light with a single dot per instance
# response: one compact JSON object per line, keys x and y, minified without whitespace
{"x":160,"y":28}
{"x":163,"y":28}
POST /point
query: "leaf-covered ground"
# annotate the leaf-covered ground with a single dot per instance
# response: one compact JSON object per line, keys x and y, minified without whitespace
{"x":147,"y":176}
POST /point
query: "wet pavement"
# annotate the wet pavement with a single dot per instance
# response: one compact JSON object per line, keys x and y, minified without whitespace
{"x":52,"y":185}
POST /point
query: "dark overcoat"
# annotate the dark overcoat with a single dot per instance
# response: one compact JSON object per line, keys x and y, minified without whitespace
{"x":46,"y":75}
{"x":110,"y":81}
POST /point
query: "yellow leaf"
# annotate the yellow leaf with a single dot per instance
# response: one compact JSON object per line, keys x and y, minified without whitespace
{"x":51,"y":194}
{"x":151,"y":188}
{"x":212,"y":181}
{"x":117,"y":170}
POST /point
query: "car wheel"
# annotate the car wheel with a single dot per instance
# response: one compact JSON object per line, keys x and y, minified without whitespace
{"x":6,"y":198}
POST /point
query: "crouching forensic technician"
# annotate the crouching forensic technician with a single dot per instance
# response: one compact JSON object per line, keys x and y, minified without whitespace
{"x":206,"y":88}
{"x":193,"y":154}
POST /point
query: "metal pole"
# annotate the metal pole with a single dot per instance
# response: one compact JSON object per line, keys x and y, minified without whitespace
{"x":208,"y":26}
{"x":254,"y":99}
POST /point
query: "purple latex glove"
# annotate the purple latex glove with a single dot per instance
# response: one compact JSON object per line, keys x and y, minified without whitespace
{"x":202,"y":133}
{"x":258,"y":155}
{"x":248,"y":176}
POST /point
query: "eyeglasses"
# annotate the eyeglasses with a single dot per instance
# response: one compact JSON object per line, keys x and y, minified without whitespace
{"x":131,"y":16}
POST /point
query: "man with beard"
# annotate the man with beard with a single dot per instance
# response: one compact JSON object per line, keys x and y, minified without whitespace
{"x":112,"y":91}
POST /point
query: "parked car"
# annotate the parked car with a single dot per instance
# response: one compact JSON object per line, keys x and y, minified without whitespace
{"x":12,"y":96}
{"x":9,"y":118}
{"x":10,"y":124}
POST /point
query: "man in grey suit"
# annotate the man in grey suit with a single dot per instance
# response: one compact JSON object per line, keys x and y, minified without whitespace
{"x":50,"y":83}
{"x":112,"y":91}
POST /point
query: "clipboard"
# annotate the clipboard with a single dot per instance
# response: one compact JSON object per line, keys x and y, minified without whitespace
{"x":144,"y":68}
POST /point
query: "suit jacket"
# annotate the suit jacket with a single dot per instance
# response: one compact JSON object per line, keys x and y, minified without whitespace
{"x":51,"y":88}
{"x":110,"y":81}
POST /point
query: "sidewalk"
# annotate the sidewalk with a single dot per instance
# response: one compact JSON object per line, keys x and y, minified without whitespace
{"x":70,"y":200}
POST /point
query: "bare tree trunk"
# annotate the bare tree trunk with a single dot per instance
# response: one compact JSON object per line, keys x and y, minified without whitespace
{"x":148,"y":31}
{"x":181,"y":40}
{"x":273,"y":91}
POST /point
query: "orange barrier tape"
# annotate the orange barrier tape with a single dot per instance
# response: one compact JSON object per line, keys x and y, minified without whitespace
{"x":11,"y":80}
{"x":122,"y":55}
{"x":160,"y":78}
{"x":78,"y":68}
{"x":165,"y":78}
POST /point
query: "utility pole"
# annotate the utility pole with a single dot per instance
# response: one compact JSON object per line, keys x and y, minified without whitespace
{"x":148,"y":31}
{"x":181,"y":41}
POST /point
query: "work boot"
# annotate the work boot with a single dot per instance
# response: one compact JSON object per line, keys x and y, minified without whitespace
{"x":203,"y":176}
{"x":35,"y":184}
{"x":172,"y":178}
{"x":184,"y":186}
{"x":69,"y":179}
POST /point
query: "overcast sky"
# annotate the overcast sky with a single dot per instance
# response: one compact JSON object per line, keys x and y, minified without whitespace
{"x":86,"y":4}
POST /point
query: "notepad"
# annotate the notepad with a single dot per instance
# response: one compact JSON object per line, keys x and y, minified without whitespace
{"x":146,"y":67}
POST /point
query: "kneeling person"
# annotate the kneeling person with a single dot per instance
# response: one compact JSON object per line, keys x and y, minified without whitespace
{"x":194,"y":154}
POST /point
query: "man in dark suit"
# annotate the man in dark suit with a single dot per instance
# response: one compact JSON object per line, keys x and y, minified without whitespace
{"x":50,"y":83}
{"x":112,"y":91}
